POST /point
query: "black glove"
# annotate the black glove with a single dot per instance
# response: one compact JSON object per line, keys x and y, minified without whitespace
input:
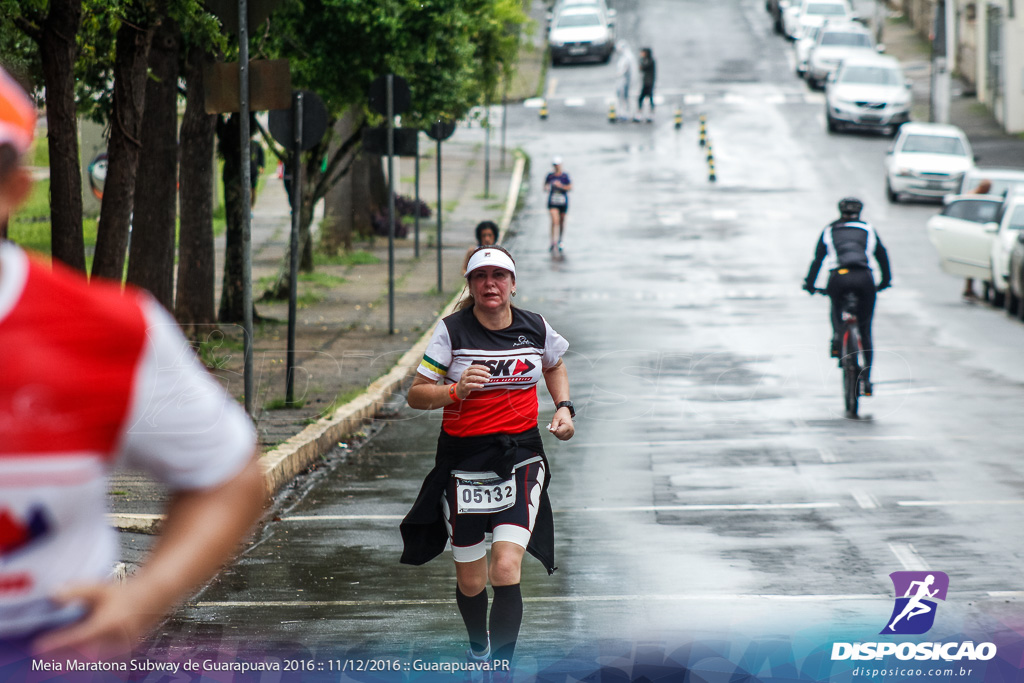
{"x":883,"y":285}
{"x":808,"y":287}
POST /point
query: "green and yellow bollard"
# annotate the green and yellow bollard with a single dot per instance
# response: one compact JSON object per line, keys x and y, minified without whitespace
{"x":711,"y":171}
{"x":612,"y":116}
{"x":711,"y":156}
{"x":543,"y":110}
{"x":679,"y":118}
{"x":703,"y":130}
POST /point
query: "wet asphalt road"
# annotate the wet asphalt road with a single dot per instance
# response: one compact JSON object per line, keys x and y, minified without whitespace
{"x":714,"y":485}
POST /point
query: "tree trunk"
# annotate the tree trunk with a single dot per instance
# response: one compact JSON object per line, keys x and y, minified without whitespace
{"x":362,"y":206}
{"x":58,"y":51}
{"x":336,"y":231}
{"x":151,"y":257}
{"x":231,"y":308}
{"x":195,"y":306}
{"x":130,"y":61}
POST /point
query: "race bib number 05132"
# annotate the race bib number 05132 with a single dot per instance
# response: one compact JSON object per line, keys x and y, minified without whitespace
{"x":484,"y":496}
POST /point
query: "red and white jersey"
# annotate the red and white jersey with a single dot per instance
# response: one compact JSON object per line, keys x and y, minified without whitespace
{"x":90,"y":378}
{"x":517,"y":356}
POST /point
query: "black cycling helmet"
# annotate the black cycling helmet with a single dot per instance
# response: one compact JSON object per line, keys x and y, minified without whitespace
{"x":850,"y":206}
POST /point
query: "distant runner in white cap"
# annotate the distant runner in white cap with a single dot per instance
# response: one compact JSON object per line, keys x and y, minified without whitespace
{"x":482,"y":366}
{"x":557,"y":184}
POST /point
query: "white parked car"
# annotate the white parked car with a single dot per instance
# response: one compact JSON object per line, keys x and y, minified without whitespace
{"x":581,"y":31}
{"x":1009,"y":224}
{"x":867,"y":91}
{"x":962,"y":234}
{"x":927,"y":160}
{"x":814,"y":13}
{"x":835,"y":43}
{"x":802,"y":48}
{"x":1004,"y":181}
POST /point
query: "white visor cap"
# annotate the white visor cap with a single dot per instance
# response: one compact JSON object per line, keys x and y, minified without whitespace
{"x":491,"y":257}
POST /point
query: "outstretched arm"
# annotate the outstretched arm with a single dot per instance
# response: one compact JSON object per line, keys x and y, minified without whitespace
{"x":201,"y":532}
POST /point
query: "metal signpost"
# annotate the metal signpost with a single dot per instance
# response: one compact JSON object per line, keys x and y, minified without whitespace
{"x":390,"y":96}
{"x":246,"y":152}
{"x":440,"y":130}
{"x":298,"y":129}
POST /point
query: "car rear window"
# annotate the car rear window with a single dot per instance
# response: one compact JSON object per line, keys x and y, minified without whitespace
{"x":870,"y":75}
{"x":974,"y":210}
{"x":825,"y":8}
{"x":578,"y":20}
{"x":846,"y":39}
{"x":933,"y":144}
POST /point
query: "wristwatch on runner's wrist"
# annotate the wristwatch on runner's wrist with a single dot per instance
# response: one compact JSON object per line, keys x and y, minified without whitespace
{"x":566,"y":404}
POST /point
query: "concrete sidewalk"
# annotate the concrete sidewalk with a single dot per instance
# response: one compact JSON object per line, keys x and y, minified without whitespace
{"x":347,"y":364}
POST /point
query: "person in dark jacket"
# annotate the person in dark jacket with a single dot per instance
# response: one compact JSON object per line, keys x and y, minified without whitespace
{"x":647,"y":69}
{"x":491,"y":475}
{"x":846,"y":248}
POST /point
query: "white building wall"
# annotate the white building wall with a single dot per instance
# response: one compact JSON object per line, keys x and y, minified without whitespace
{"x":1013,"y":71}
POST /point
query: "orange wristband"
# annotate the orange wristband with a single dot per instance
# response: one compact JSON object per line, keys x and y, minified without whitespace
{"x":451,"y":393}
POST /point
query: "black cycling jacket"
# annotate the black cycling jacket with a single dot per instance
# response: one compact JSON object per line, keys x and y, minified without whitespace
{"x":849,"y":244}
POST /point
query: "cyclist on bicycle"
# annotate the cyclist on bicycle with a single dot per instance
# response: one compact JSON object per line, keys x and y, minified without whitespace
{"x":845,"y":248}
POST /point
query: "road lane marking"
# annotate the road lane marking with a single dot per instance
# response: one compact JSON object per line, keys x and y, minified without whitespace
{"x":574,"y":102}
{"x":626,"y":508}
{"x":534,"y":103}
{"x":691,"y":597}
{"x":552,"y":86}
{"x":827,"y":455}
{"x":693,"y":98}
{"x":865,"y":500}
{"x":908,"y":557}
{"x":950,"y":503}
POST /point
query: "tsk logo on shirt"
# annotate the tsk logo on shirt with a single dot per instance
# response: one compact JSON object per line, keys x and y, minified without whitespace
{"x":508,"y":370}
{"x":916,"y":595}
{"x":15,"y":534}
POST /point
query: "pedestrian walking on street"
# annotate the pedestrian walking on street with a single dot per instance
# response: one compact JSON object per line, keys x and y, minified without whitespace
{"x":984,"y":187}
{"x":92,"y":377}
{"x":486,"y":235}
{"x":482,"y":366}
{"x":624,"y":68}
{"x":557,"y":184}
{"x":647,"y":74}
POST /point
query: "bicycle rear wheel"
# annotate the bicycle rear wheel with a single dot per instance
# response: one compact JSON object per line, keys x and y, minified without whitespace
{"x":851,"y":370}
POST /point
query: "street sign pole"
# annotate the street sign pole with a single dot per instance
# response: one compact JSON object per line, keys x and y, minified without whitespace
{"x":416,"y":242}
{"x":293,"y":262}
{"x":391,"y":203}
{"x":246,"y":153}
{"x":440,"y":210}
{"x":487,"y":153}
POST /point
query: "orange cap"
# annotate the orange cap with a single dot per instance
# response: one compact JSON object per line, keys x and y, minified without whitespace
{"x":17,"y":114}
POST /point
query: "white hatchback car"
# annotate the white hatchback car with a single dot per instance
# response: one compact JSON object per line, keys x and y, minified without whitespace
{"x":1008,"y":225}
{"x":834,"y":43}
{"x":867,"y":91}
{"x":814,"y":13}
{"x":927,"y":160}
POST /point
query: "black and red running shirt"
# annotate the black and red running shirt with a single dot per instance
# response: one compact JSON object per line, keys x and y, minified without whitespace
{"x":517,"y":356}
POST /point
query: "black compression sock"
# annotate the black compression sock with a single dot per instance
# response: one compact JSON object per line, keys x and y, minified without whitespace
{"x":474,"y":614}
{"x":506,"y":618}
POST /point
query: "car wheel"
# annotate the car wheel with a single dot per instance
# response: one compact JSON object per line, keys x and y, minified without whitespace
{"x":893,"y":197}
{"x":1011,"y":301}
{"x":986,"y":291}
{"x":997,"y":297}
{"x":833,"y":127}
